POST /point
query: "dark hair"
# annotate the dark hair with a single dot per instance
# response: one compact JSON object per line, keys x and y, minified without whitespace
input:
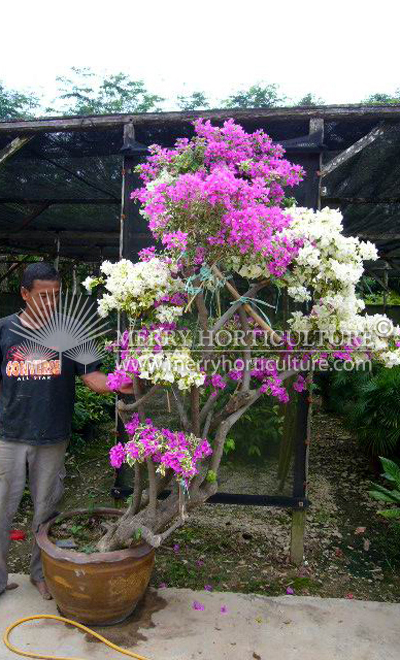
{"x":39,"y":271}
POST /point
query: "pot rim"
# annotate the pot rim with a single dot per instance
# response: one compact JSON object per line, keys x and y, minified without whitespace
{"x":44,"y":543}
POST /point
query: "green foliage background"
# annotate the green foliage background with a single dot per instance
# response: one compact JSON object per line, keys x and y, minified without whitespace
{"x":83,"y":91}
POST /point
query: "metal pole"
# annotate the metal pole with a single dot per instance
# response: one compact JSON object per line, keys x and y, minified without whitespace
{"x":57,"y":259}
{"x":131,"y":224}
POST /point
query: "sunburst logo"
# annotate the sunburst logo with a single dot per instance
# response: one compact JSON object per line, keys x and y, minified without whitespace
{"x":33,"y":352}
{"x":69,"y":327}
{"x":86,"y":353}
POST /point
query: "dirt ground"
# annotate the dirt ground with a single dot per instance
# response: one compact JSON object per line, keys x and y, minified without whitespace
{"x":349,"y":550}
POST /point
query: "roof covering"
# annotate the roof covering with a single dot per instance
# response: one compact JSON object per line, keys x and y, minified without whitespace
{"x":66,"y":180}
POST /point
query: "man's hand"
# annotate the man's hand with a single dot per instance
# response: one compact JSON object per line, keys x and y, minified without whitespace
{"x":126,"y":389}
{"x":97,"y":381}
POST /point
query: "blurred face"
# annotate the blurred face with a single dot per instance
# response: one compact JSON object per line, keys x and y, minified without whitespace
{"x":42,"y":298}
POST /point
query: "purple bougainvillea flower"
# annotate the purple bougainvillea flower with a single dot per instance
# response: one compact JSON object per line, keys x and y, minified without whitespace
{"x":162,"y":585}
{"x":208,"y":587}
{"x":224,"y":609}
{"x":290,"y":591}
{"x":199,"y":563}
{"x":197,"y":606}
{"x":176,"y":548}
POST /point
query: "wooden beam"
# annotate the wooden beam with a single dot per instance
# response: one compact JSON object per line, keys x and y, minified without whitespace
{"x":99,"y":122}
{"x":377,"y":279}
{"x":391,"y":254}
{"x":361,"y":200}
{"x":133,"y":225}
{"x":353,"y":150}
{"x":75,"y":175}
{"x":55,"y":201}
{"x":373,"y":236}
{"x":12,"y":148}
{"x":300,"y":473}
{"x":313,"y":181}
{"x":93,"y":237}
{"x":317,"y":126}
{"x":91,"y":253}
{"x":14,"y":267}
{"x":12,"y":261}
{"x":57,"y":242}
{"x":57,"y":124}
{"x":297,"y":532}
{"x":31,"y":217}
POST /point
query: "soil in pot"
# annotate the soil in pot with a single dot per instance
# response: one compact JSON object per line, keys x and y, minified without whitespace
{"x":91,"y":587}
{"x":82,"y":532}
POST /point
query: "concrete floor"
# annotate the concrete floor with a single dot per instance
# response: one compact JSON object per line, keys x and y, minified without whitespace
{"x":168,"y":628}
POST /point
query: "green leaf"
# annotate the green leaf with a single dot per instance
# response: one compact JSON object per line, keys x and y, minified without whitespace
{"x":379,"y":495}
{"x":229,"y":445}
{"x":394,"y":494}
{"x":211,"y":476}
{"x":393,"y":514}
{"x":88,"y":549}
{"x":392,"y":470}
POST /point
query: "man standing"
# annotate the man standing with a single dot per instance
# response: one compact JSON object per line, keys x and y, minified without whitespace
{"x":36,"y":408}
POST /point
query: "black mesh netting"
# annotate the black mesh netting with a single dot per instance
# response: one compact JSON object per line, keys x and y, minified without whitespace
{"x":71,"y":181}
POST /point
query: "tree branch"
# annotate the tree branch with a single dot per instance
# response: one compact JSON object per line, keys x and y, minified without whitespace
{"x":206,"y":426}
{"x":234,"y":308}
{"x":195,"y":410}
{"x":246,"y":352}
{"x":131,"y":407}
{"x":272,"y":334}
{"x":243,"y":399}
{"x":181,"y":408}
{"x":152,"y":487}
{"x":150,"y":465}
{"x":209,"y":405}
{"x":137,"y":490}
{"x":161,"y":484}
{"x":202,"y":309}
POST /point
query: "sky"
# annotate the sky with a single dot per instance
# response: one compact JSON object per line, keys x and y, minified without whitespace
{"x":341,"y":51}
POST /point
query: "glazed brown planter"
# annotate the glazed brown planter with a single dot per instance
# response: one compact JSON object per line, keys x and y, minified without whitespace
{"x":97,"y":588}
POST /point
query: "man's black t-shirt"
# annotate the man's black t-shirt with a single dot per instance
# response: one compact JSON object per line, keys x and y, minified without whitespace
{"x":37,"y":388}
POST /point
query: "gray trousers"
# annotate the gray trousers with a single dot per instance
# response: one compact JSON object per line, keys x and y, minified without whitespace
{"x":46,"y":476}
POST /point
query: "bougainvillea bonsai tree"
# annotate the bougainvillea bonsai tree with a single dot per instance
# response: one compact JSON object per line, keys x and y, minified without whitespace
{"x":196,"y":308}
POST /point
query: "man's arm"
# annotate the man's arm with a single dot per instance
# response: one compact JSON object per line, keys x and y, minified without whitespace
{"x":97,"y":381}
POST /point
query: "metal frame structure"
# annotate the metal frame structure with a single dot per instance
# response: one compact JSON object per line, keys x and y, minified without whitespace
{"x":304,"y":134}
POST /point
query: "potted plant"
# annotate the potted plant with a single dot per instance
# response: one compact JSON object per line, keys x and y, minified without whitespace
{"x":198,"y":327}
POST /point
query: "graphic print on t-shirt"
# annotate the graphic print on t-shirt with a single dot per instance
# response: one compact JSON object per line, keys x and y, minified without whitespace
{"x":72,"y":330}
{"x":30,"y":361}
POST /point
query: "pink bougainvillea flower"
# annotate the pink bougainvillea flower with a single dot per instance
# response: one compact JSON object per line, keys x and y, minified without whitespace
{"x":118,"y":379}
{"x":208,"y":587}
{"x":198,"y":606}
{"x":300,"y":384}
{"x":117,"y":455}
{"x":350,"y":596}
{"x":162,"y":585}
{"x":290,"y":591}
{"x":224,"y":609}
{"x":238,"y":188}
{"x":199,"y":563}
{"x":176,"y":548}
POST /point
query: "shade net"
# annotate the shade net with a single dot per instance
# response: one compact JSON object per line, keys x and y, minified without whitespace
{"x":71,"y":181}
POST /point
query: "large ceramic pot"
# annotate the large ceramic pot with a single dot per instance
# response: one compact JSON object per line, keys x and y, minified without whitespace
{"x":97,"y":588}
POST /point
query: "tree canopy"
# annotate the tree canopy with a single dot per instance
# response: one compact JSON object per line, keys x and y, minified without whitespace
{"x":85,"y":92}
{"x":16,"y":105}
{"x":257,"y":96}
{"x":383,"y":98}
